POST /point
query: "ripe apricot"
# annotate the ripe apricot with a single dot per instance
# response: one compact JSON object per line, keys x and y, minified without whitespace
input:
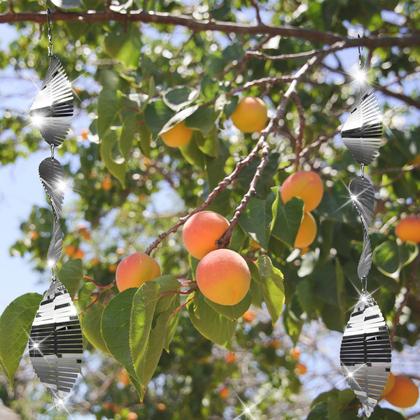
{"x":275,"y":343}
{"x":389,"y":384}
{"x":307,"y":231}
{"x":306,"y":185}
{"x":132,"y":416}
{"x":249,"y":315}
{"x":84,"y":233}
{"x":404,"y":393}
{"x":106,"y":183}
{"x":295,"y":353}
{"x":135,"y":270}
{"x":301,"y":369}
{"x":123,"y":377}
{"x":70,"y":250}
{"x":84,"y":134}
{"x":223,"y":277}
{"x":408,"y":229}
{"x":224,"y":392}
{"x":250,"y":115}
{"x":230,"y":358}
{"x":201,"y":231}
{"x":178,"y":136}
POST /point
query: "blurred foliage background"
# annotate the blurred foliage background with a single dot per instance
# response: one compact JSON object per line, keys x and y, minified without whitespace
{"x":128,"y":187}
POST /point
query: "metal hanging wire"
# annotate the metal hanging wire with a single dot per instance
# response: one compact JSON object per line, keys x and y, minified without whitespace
{"x":49,"y":31}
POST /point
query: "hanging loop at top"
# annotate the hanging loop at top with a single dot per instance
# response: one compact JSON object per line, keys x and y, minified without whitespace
{"x":49,"y":29}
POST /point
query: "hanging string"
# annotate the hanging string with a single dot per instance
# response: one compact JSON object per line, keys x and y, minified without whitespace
{"x":49,"y":29}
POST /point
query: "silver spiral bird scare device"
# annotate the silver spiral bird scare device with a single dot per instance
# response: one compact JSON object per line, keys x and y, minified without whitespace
{"x":55,"y":343}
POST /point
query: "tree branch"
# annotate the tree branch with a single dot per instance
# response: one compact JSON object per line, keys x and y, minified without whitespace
{"x":212,"y":25}
{"x":300,"y":133}
{"x":272,"y":126}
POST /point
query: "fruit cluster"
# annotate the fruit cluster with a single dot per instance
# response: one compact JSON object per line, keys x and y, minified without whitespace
{"x":222,"y":275}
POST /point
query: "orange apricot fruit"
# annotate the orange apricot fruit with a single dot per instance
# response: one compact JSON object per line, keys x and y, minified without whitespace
{"x":223,"y":277}
{"x":201,"y":231}
{"x":408,"y":229}
{"x":404,"y":393}
{"x":301,"y":369}
{"x":177,"y":136}
{"x":306,"y":185}
{"x":307,"y":231}
{"x":84,"y":134}
{"x":106,"y":183}
{"x":249,"y":315}
{"x":230,"y":358}
{"x":389,"y":384}
{"x":224,"y":392}
{"x":295,"y":353}
{"x":250,"y":115}
{"x":135,"y":270}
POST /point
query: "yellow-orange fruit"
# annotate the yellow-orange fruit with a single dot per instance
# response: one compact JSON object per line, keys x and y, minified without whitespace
{"x":408,"y":229}
{"x":230,"y":358}
{"x":84,"y":233}
{"x":250,"y":115}
{"x":84,"y":134}
{"x":295,"y":353}
{"x":249,"y":316}
{"x":306,"y":185}
{"x":389,"y":385}
{"x":135,"y":270}
{"x":160,"y":407}
{"x":132,"y":416}
{"x":178,"y":136}
{"x":201,"y":231}
{"x":300,"y":369}
{"x":223,"y":277}
{"x":106,"y":183}
{"x":123,"y":377}
{"x":307,"y":231}
{"x":275,"y":343}
{"x":404,"y":393}
{"x":224,"y":392}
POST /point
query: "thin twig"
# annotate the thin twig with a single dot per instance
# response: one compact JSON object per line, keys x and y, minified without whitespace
{"x":225,"y":239}
{"x":299,"y":137}
{"x":257,"y":12}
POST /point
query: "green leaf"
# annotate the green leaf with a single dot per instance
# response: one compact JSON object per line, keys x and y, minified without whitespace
{"x":334,"y":404}
{"x":177,"y":118}
{"x":286,"y":219}
{"x":142,"y":312}
{"x":128,"y":133}
{"x":232,"y":312}
{"x":108,"y":107}
{"x":71,"y":275}
{"x":115,"y":328}
{"x":159,"y":338}
{"x":90,"y":321}
{"x":292,"y":322}
{"x":15,"y":326}
{"x":192,"y":153}
{"x":117,"y":167}
{"x":256,"y":219}
{"x":212,"y":325}
{"x":180,"y":97}
{"x":209,"y":144}
{"x":124,"y":45}
{"x":390,"y":257}
{"x":272,"y":283}
{"x":156,"y":115}
{"x":203,"y":119}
